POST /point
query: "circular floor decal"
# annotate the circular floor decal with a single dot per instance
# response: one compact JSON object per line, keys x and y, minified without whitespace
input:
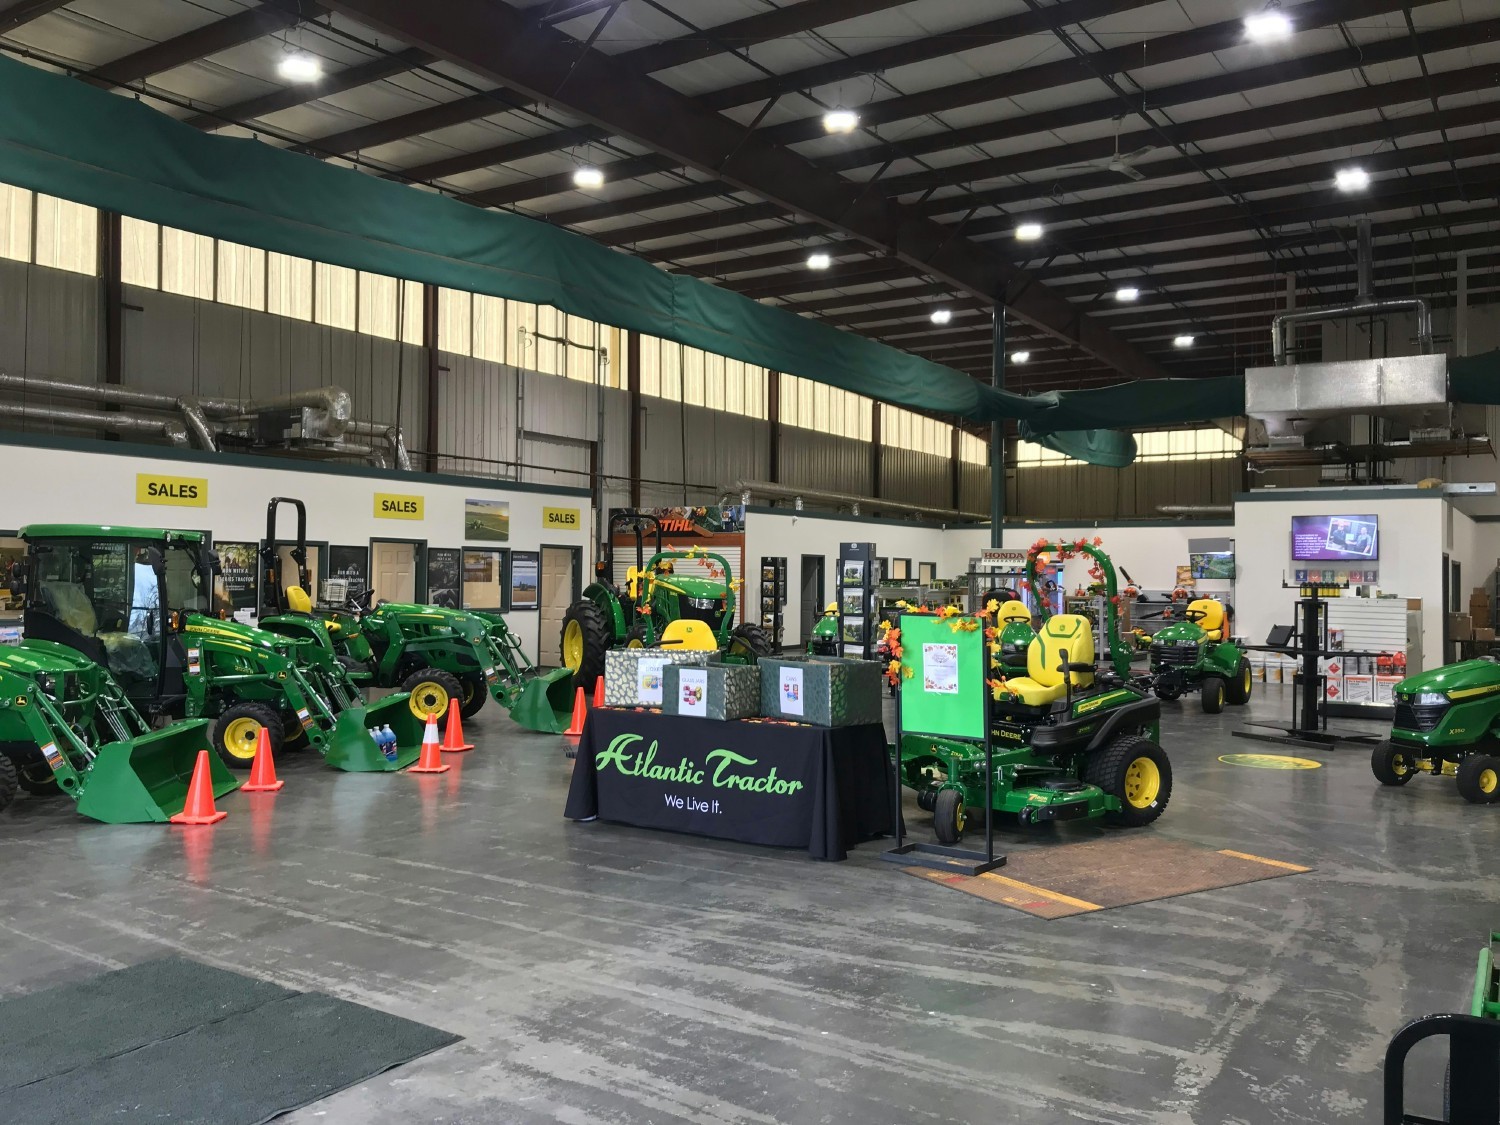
{"x":1270,"y":761}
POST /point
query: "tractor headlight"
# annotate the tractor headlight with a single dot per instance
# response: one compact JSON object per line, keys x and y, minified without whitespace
{"x":1187,"y":644}
{"x":1431,"y":699}
{"x":704,"y":603}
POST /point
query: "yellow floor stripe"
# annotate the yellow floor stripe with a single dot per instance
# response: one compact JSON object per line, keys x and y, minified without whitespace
{"x":1041,"y":892}
{"x":1262,"y":859}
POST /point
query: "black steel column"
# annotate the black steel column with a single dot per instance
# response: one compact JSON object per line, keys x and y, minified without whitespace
{"x":997,"y":431}
{"x":634,"y":406}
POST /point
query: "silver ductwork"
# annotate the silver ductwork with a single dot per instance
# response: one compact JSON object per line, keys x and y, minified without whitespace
{"x":771,"y":491}
{"x":121,"y":422}
{"x":1281,"y":321}
{"x":1196,"y":509}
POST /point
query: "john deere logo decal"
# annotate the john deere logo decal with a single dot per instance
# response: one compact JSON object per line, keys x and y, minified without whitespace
{"x":722,"y":769}
{"x":1270,"y":761}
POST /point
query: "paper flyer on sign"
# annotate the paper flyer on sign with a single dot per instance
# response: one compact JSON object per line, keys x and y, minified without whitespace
{"x":693,"y":685}
{"x":940,"y":669}
{"x":791,"y":691}
{"x":648,"y":682}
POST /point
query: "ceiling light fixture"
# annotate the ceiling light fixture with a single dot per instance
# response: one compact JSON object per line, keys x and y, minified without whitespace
{"x":1019,"y":357}
{"x":1127,"y":293}
{"x":588,"y":178}
{"x":819,"y":261}
{"x":942,"y":316}
{"x":1351,"y":179}
{"x":299,"y":66}
{"x":1028,"y":232}
{"x":1268,"y":25}
{"x":1183,"y":341}
{"x":840,"y":121}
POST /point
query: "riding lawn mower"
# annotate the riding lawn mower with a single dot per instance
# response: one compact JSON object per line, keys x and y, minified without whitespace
{"x":1197,"y":654}
{"x":1447,"y":724}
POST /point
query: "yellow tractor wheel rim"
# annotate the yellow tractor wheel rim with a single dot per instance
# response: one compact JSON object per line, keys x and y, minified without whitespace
{"x":1399,"y":765}
{"x":635,"y":642}
{"x":1142,"y":783}
{"x":241,"y":737}
{"x":572,"y":646}
{"x":428,"y":698}
{"x":1489,"y":781}
{"x":1245,"y":679}
{"x":959,"y":819}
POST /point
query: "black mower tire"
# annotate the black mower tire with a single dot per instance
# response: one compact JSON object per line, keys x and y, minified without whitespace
{"x":8,"y":782}
{"x":1212,"y":694}
{"x":1479,"y":779}
{"x":926,"y":799}
{"x":425,"y":701}
{"x":1168,"y":694}
{"x":948,"y":816}
{"x":473,"y":693}
{"x":1237,"y":691}
{"x":37,"y":778}
{"x":753,"y":639}
{"x":261,"y":714}
{"x":596,"y":642}
{"x":1111,"y":770}
{"x":1391,"y":763}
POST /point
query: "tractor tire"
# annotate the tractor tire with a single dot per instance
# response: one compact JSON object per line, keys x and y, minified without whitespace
{"x":927,"y":799}
{"x":237,"y":733}
{"x":751,"y":640}
{"x":635,"y":637}
{"x":352,"y":665}
{"x":1168,"y":694}
{"x":1137,"y":772}
{"x":1479,"y":779}
{"x":586,"y":632}
{"x":473,"y":693}
{"x":1212,"y":694}
{"x":37,"y":778}
{"x":1391,"y":763}
{"x":431,"y":689}
{"x":948,"y":816}
{"x":8,"y":782}
{"x":1237,"y":691}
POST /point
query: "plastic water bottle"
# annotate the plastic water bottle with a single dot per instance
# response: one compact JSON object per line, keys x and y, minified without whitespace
{"x":388,"y":743}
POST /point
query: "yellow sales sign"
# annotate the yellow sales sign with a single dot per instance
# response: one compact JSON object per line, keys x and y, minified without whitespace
{"x":394,"y":506}
{"x":567,"y":519}
{"x":183,"y":492}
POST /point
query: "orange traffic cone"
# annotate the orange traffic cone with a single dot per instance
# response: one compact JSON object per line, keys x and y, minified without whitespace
{"x":599,"y":692}
{"x":262,"y":769}
{"x":431,"y":759}
{"x":453,"y":734}
{"x":199,"y":808}
{"x":580,"y":711}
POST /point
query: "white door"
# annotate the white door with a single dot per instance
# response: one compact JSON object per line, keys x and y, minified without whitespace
{"x":556,"y":594}
{"x":395,"y":569}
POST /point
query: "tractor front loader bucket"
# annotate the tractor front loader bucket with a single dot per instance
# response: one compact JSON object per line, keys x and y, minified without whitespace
{"x":545,"y":703}
{"x":351,"y":747}
{"x":145,"y":779}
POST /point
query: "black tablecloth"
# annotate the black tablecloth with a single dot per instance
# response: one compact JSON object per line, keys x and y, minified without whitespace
{"x":762,"y":783}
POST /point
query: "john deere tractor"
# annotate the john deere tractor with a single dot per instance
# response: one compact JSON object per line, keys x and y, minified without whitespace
{"x":140,"y":602}
{"x":1068,"y":741}
{"x":1447,"y":724}
{"x":432,"y":653}
{"x":825,"y":633}
{"x":67,"y":728}
{"x":1197,"y":654}
{"x":656,"y":607}
{"x":1013,"y":620}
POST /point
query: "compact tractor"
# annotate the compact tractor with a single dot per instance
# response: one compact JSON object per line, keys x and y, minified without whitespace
{"x":1068,"y":741}
{"x":1447,"y":724}
{"x":432,"y":653}
{"x":656,"y":607}
{"x":67,"y":728}
{"x":1197,"y":654}
{"x":141,"y":603}
{"x":825,"y":634}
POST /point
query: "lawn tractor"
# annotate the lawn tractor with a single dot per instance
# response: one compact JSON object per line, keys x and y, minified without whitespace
{"x":66,"y":727}
{"x":657,"y":607}
{"x":825,"y":634}
{"x":1447,"y":724}
{"x":432,"y":653}
{"x":140,"y":602}
{"x":1197,"y":654}
{"x":1068,"y":742}
{"x":1013,"y":620}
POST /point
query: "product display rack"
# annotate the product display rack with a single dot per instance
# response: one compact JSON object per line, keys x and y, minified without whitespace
{"x":856,"y":594}
{"x":773,"y":595}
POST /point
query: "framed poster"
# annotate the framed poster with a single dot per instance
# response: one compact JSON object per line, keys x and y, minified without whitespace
{"x":946,"y":693}
{"x":487,"y":521}
{"x":352,"y":564}
{"x":235,"y":592}
{"x":525,"y":567}
{"x":443,"y":566}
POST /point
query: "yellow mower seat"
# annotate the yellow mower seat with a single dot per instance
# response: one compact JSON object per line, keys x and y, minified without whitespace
{"x":1044,"y":682}
{"x":297,"y":600}
{"x":1011,"y":612}
{"x":1209,"y":616}
{"x":685,"y":634}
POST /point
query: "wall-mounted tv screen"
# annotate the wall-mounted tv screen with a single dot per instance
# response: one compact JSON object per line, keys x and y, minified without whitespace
{"x":1335,"y":538}
{"x":1212,"y":564}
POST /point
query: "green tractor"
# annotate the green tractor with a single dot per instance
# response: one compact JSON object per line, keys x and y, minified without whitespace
{"x":1013,"y":620}
{"x":1447,"y":724}
{"x":432,"y":653}
{"x":140,"y":602}
{"x":825,"y":634}
{"x":656,"y":607}
{"x":1197,"y":654}
{"x":1068,"y":742}
{"x":67,"y":728}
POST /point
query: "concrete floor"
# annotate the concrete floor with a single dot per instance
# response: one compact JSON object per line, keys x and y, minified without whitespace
{"x":607,"y":974}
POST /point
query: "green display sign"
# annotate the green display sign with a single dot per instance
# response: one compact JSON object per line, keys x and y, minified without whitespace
{"x":946,"y":691}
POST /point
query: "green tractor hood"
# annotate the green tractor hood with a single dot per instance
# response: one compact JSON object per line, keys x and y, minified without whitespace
{"x":1179,"y":631}
{"x":693,"y":586}
{"x":1464,"y":680}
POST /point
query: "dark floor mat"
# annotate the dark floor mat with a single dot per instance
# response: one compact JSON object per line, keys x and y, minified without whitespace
{"x":1081,"y":878}
{"x":234,"y":1067}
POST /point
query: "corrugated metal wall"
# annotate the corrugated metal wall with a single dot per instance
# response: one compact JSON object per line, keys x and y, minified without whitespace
{"x":916,"y":478}
{"x":51,"y":323}
{"x":814,"y":460}
{"x":1068,"y":492}
{"x":719,"y":449}
{"x":973,"y":488}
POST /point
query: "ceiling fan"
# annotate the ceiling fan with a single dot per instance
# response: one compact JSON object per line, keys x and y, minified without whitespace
{"x":1122,"y":163}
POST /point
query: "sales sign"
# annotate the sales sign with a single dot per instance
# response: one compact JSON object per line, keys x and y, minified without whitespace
{"x":394,"y":506}
{"x":182,"y":492}
{"x":563,"y":519}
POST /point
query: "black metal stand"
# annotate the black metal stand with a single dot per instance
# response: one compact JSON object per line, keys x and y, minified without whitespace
{"x":960,"y":861}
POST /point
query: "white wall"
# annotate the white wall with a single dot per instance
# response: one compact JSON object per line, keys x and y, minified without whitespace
{"x":66,"y":486}
{"x":1412,"y":534}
